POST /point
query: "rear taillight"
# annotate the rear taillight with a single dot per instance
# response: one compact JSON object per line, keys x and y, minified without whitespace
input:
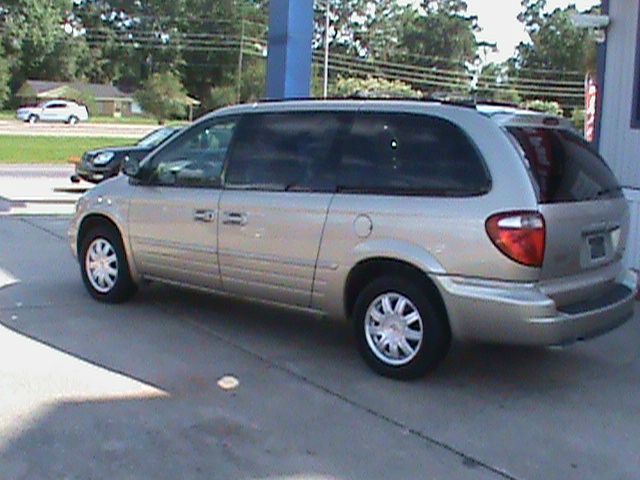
{"x":519,"y":235}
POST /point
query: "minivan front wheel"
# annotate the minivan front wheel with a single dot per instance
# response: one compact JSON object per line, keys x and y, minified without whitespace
{"x":400,"y":331}
{"x":104,"y":266}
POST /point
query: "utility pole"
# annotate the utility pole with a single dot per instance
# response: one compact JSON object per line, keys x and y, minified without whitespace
{"x":240,"y":58}
{"x":326,"y":49}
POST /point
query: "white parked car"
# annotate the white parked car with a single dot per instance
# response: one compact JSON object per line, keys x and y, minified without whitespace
{"x":54,"y":111}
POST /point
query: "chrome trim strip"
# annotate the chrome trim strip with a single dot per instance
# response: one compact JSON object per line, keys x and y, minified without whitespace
{"x":271,"y":286}
{"x":176,"y":245}
{"x":267,"y":258}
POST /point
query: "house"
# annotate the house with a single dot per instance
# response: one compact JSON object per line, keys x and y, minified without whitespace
{"x":109,"y":100}
{"x":618,"y":122}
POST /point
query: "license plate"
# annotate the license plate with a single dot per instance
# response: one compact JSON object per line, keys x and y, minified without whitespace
{"x":597,"y":247}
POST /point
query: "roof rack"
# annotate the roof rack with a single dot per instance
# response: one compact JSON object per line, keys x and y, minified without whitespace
{"x":467,"y":103}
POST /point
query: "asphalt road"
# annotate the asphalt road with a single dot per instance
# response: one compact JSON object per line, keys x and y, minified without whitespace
{"x":15,"y":127}
{"x":130,"y":391}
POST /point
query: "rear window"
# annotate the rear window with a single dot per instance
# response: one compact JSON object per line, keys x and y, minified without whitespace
{"x":408,"y":154}
{"x":564,"y":166}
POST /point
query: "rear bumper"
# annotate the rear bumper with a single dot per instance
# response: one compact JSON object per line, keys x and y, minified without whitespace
{"x":522,"y":314}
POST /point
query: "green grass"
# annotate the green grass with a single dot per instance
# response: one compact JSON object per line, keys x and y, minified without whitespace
{"x":28,"y":149}
{"x":7,"y":115}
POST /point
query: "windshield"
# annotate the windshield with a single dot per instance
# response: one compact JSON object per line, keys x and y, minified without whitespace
{"x":564,"y":166}
{"x":156,"y":137}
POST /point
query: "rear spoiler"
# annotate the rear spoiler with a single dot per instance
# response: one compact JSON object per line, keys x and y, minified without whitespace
{"x":531,"y":119}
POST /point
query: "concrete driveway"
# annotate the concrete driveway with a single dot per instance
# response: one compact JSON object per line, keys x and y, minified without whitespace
{"x":39,"y":189}
{"x":130,"y":391}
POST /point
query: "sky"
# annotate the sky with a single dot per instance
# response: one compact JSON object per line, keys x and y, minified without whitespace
{"x":498,"y":19}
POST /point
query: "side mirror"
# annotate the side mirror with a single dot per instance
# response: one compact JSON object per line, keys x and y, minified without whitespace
{"x":131,"y":167}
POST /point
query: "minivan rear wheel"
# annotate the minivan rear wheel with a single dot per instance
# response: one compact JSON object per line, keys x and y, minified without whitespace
{"x":401,"y":333}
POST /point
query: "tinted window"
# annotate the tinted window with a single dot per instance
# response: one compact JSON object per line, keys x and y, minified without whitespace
{"x":410,"y":154}
{"x":286,"y":151}
{"x":564,"y":166}
{"x":195,"y":158}
{"x":156,"y":137}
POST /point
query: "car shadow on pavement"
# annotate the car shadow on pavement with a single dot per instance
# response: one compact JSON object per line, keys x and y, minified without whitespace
{"x":294,"y":370}
{"x":325,"y":349}
{"x":149,"y":405}
{"x":317,"y":348}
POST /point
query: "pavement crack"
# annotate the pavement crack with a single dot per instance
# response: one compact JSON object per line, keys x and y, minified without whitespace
{"x":466,"y":459}
{"x":40,"y":227}
{"x":43,"y":306}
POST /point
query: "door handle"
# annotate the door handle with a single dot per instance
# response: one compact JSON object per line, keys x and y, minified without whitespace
{"x":204,"y":215}
{"x":234,"y":218}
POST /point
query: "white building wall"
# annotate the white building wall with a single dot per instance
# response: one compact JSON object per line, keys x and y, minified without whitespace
{"x":619,"y":143}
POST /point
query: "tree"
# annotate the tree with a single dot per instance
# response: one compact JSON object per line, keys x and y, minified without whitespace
{"x":200,"y":39}
{"x":4,"y":78}
{"x":556,"y":43}
{"x":163,"y":96}
{"x":553,"y":63}
{"x":376,"y":87}
{"x":494,"y":86}
{"x":220,"y":97}
{"x":84,"y":97}
{"x":552,"y":108}
{"x":40,"y":40}
{"x":437,"y":35}
{"x":443,"y":35}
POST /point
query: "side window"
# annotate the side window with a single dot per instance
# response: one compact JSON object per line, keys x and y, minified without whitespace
{"x":195,"y":158}
{"x":410,"y":154}
{"x":286,"y":151}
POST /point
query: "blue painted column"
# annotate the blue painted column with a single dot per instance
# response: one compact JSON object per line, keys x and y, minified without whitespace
{"x":290,"y":38}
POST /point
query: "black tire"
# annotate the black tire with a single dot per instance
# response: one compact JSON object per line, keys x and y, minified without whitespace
{"x":124,"y":287}
{"x":33,"y":119}
{"x":436,"y":335}
{"x":73,"y":120}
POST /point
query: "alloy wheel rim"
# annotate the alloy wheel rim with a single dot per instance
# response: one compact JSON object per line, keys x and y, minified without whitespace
{"x":394,"y":329}
{"x":101,"y":264}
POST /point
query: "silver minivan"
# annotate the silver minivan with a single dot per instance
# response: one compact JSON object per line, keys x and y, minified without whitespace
{"x":419,"y":222}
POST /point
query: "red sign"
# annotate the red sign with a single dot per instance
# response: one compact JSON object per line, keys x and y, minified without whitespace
{"x":590,"y":101}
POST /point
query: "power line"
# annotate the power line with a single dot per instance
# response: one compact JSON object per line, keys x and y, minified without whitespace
{"x":232,"y":46}
{"x":437,"y":71}
{"x":423,"y":81}
{"x":413,"y":77}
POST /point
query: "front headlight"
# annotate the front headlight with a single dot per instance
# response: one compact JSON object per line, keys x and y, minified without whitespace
{"x":103,"y":158}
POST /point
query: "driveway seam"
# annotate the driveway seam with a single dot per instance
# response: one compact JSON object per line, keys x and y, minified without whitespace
{"x":40,"y":227}
{"x":467,"y":460}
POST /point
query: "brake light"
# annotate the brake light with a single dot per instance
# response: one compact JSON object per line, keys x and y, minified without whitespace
{"x":519,"y":235}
